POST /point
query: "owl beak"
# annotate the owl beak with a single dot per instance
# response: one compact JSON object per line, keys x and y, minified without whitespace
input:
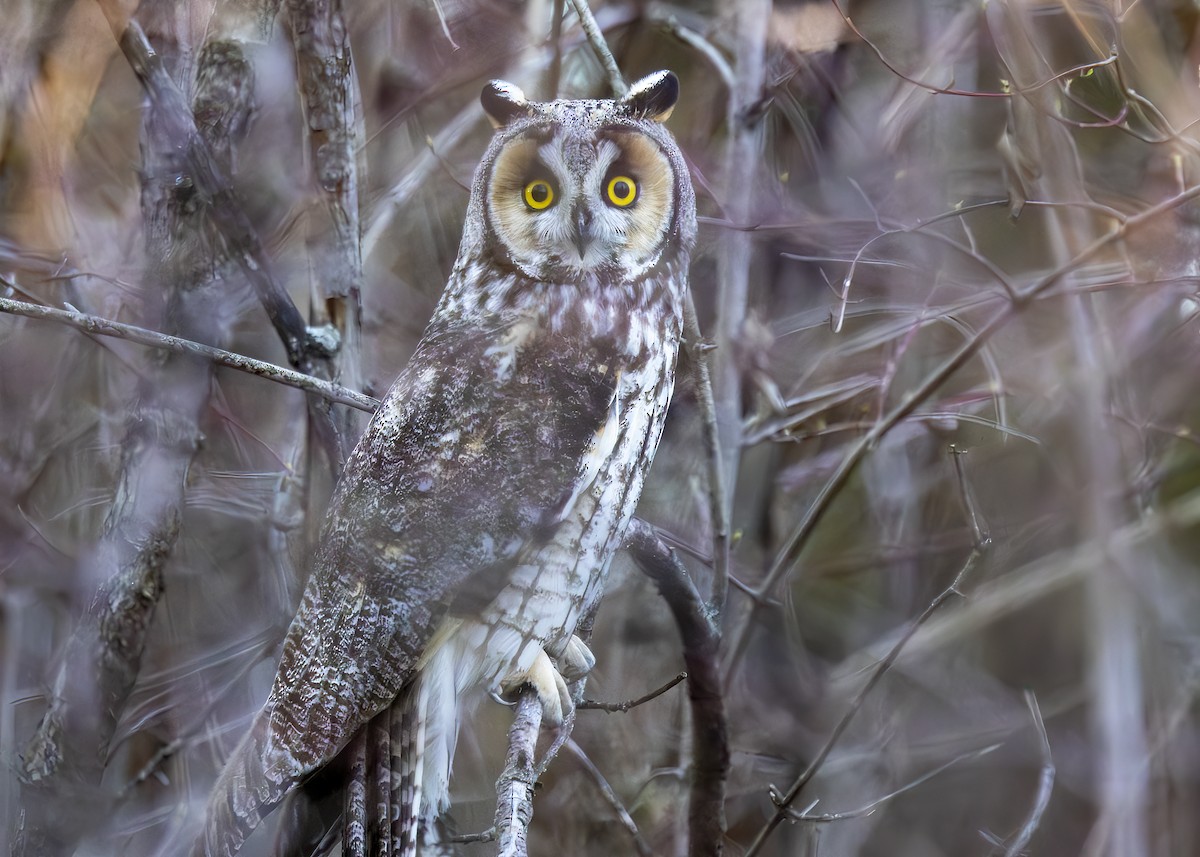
{"x":583,"y":230}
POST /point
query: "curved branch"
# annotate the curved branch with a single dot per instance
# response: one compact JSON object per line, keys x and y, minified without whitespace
{"x":710,"y":743}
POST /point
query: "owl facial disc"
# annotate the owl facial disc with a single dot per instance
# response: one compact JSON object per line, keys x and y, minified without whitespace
{"x":582,"y":189}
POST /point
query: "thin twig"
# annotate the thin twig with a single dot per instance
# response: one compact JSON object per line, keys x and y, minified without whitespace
{"x":593,"y":705}
{"x":717,"y":508}
{"x":488,"y":835}
{"x":1045,"y":783}
{"x":825,"y":818}
{"x":979,"y":528}
{"x":131,"y":333}
{"x":784,"y":801}
{"x":600,"y":46}
{"x":703,"y":46}
{"x":639,"y":843}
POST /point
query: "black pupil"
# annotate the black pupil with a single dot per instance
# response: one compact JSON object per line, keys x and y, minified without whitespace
{"x":621,"y":189}
{"x":539,"y":192}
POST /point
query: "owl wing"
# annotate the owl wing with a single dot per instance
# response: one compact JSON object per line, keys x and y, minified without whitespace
{"x":473,"y":456}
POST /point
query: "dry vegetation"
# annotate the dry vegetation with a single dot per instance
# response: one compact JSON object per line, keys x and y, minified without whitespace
{"x":948,"y":261}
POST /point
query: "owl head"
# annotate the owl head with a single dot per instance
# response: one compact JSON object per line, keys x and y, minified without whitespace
{"x":592,"y":190}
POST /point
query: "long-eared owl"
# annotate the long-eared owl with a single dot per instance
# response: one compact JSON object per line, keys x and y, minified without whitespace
{"x":476,"y":519}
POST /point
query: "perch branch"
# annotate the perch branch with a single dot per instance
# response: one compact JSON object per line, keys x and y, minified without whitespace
{"x":514,"y":789}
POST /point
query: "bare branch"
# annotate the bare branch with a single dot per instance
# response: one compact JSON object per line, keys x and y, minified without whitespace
{"x":514,"y":788}
{"x":330,"y":100}
{"x":703,"y":46}
{"x":177,"y":345}
{"x":592,"y":705}
{"x":600,"y":46}
{"x":710,"y":747}
{"x":717,"y":492}
{"x":799,"y":537}
{"x":1045,"y":783}
{"x":610,"y":797}
{"x":211,"y":182}
{"x":102,"y":660}
{"x":826,"y":818}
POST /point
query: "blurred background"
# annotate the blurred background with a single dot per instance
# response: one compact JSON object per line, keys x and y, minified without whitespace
{"x":948,"y":257}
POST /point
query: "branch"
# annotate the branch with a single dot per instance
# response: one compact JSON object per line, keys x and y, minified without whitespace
{"x":592,"y":705}
{"x":710,"y":747}
{"x":514,"y":789}
{"x":862,"y":811}
{"x":1045,"y":783}
{"x":331,"y":106}
{"x":177,"y":345}
{"x":213,"y":186}
{"x":717,"y":509}
{"x":211,"y":182}
{"x":610,"y":797}
{"x":741,"y":163}
{"x":600,"y":46}
{"x":68,"y":753}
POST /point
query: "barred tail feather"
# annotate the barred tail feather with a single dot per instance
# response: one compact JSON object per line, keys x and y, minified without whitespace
{"x":407,"y":726}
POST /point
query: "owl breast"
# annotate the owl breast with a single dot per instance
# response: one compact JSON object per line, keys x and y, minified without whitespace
{"x":558,"y":578}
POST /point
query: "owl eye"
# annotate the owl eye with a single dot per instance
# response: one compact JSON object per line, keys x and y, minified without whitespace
{"x":538,"y":194}
{"x":621,"y":191}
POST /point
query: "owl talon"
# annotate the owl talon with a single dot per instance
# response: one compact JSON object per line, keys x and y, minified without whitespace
{"x":575,"y":660}
{"x":550,"y":687}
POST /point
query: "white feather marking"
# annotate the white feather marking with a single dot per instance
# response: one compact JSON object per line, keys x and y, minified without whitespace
{"x":504,"y":353}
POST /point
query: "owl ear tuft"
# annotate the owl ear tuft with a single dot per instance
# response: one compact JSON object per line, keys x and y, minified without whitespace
{"x":503,"y":102}
{"x":653,"y":97}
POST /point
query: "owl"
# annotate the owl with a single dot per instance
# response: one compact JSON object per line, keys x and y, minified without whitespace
{"x":476,"y":519}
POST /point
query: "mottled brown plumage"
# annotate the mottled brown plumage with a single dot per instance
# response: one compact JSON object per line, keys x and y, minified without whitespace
{"x":476,"y":518}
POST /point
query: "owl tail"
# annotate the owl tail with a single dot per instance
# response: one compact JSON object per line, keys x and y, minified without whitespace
{"x":374,"y":788}
{"x":408,"y":720}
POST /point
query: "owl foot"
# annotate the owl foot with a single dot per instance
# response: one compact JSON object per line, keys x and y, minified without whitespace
{"x":575,"y":660}
{"x":550,"y":686}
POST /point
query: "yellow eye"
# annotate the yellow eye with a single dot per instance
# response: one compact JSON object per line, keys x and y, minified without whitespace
{"x":622,"y":191}
{"x":539,"y":194}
